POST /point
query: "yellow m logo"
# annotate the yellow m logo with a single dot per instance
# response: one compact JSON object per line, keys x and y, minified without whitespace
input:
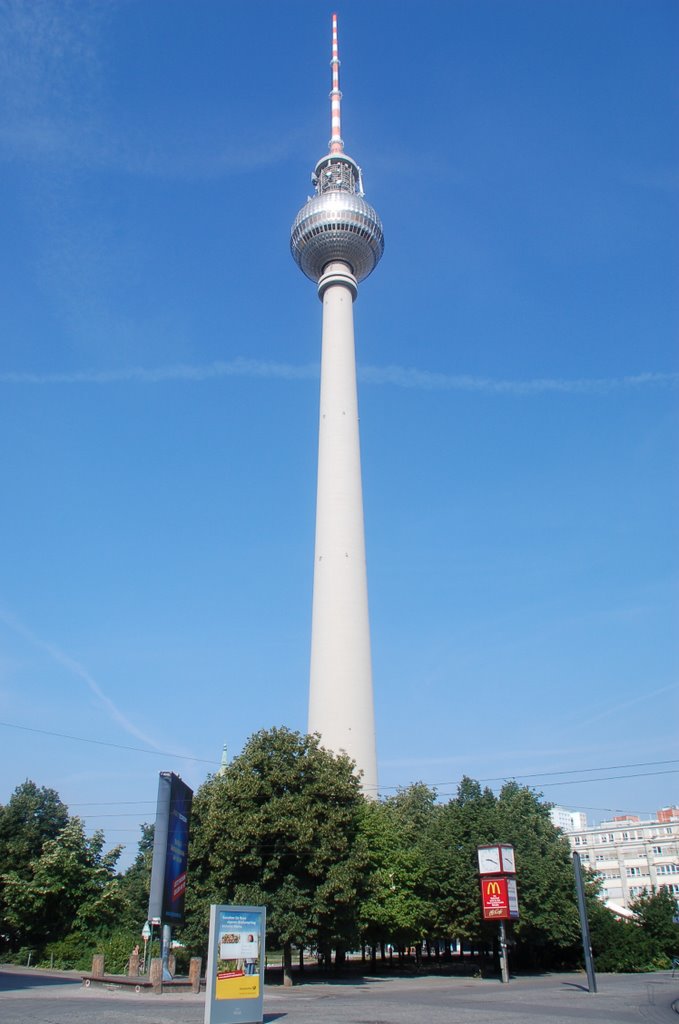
{"x":492,"y":888}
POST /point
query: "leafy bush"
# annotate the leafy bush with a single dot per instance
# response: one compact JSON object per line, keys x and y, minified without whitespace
{"x":72,"y":953}
{"x":75,"y":951}
{"x":20,"y":957}
{"x":624,"y":946}
{"x":182,"y":957}
{"x":117,"y":949}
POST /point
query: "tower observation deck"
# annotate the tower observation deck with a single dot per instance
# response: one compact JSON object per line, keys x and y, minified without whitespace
{"x":337,"y":241}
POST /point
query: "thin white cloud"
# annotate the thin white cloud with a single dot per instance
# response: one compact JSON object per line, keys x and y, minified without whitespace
{"x":616,"y":708}
{"x":409,"y":377}
{"x":394,"y":376}
{"x":80,"y":672}
{"x":179,"y":372}
{"x":52,"y":75}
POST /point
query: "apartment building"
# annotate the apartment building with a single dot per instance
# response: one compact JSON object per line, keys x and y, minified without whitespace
{"x":631,"y":855}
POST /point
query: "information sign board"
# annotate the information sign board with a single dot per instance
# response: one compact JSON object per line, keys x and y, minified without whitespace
{"x":500,"y":899}
{"x":234,"y":978}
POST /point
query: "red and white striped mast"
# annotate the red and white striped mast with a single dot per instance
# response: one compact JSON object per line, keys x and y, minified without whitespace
{"x":336,"y":145}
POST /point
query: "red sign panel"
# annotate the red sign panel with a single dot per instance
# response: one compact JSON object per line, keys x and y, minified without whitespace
{"x":499,"y":897}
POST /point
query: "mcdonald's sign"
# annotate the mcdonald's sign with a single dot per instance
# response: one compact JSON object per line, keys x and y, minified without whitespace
{"x":500,"y":899}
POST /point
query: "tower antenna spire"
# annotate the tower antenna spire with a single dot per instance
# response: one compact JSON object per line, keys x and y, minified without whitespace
{"x":336,"y":144}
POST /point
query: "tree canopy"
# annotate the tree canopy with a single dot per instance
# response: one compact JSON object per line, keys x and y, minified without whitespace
{"x":280,"y":826}
{"x":285,"y":825}
{"x":33,"y":815}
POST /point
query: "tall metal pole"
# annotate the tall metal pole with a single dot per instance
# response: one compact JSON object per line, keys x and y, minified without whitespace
{"x":584,"y":923}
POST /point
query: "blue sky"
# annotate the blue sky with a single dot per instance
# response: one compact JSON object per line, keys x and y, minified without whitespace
{"x":518,"y":390}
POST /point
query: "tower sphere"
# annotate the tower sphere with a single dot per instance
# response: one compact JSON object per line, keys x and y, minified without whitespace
{"x":337,"y":223}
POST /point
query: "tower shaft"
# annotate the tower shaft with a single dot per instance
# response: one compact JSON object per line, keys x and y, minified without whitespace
{"x":337,"y":241}
{"x":340,"y":691}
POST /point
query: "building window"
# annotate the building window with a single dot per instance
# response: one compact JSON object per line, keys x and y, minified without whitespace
{"x":657,"y":849}
{"x":633,"y":872}
{"x":625,"y":835}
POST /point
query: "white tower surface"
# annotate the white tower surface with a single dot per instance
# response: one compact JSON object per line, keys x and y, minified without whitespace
{"x":337,"y":241}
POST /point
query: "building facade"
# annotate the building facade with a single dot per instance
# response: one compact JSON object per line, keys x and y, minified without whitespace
{"x":630,"y":855}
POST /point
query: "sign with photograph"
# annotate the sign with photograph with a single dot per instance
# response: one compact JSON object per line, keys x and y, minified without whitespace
{"x":235,"y":969}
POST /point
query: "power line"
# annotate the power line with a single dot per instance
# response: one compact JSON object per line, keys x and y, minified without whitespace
{"x":495,"y":778}
{"x":509,"y":777}
{"x":579,"y":782}
{"x":105,"y":743}
{"x":581,"y":771}
{"x":111,"y":803}
{"x":614,"y":778}
{"x":107,"y":814}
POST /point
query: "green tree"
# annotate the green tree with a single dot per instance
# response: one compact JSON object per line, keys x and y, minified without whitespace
{"x":33,"y":815}
{"x":645,"y":943}
{"x":548,"y":926}
{"x":396,"y":907}
{"x":618,"y":946}
{"x":467,"y":821}
{"x":136,"y":882}
{"x":279,"y":826}
{"x":548,"y":929}
{"x":655,"y":915}
{"x":72,"y":888}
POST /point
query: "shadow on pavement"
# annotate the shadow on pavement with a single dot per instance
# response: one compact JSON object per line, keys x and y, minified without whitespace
{"x":574,"y":984}
{"x":14,"y":980}
{"x":309,"y":979}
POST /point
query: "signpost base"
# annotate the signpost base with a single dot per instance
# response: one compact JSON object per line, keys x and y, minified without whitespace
{"x":166,"y":946}
{"x":504,"y":963}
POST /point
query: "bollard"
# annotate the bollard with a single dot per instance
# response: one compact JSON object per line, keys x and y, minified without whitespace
{"x":156,"y":974}
{"x":195,"y":966}
{"x":133,"y":966}
{"x":98,"y":965}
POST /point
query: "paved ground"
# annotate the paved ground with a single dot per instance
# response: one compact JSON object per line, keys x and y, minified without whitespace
{"x":44,"y":997}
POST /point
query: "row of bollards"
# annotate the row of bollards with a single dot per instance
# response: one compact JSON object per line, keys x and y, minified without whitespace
{"x":154,"y":978}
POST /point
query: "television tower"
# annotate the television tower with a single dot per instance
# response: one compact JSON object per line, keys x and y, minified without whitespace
{"x":337,"y":241}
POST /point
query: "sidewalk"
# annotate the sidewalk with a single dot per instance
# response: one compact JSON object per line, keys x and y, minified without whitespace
{"x":27,"y":995}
